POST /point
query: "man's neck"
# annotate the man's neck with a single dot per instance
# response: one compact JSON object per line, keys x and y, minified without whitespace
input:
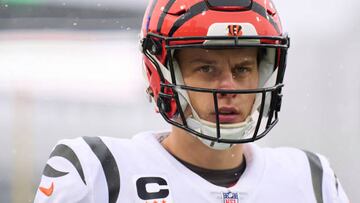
{"x":191,"y":150}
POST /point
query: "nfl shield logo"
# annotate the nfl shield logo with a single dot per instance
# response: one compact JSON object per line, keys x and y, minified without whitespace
{"x":230,"y":197}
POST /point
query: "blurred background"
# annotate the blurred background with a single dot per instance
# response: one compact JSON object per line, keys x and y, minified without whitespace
{"x":72,"y":68}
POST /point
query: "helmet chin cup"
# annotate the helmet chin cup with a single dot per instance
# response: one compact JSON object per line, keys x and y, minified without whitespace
{"x":236,"y":131}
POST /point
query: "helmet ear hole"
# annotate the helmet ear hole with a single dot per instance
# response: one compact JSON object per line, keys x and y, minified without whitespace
{"x":153,"y":46}
{"x":164,"y":104}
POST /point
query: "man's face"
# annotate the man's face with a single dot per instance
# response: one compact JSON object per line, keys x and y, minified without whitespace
{"x":230,"y":69}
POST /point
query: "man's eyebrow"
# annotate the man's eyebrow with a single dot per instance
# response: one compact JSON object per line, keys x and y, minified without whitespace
{"x":245,"y":61}
{"x":202,"y":60}
{"x":210,"y":61}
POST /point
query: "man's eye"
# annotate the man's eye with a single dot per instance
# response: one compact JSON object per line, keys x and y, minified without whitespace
{"x":241,"y":70}
{"x":206,"y":69}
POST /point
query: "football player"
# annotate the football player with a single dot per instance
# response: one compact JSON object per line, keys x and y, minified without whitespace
{"x":215,"y":70}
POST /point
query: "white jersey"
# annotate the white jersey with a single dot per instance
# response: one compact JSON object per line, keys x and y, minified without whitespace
{"x":140,"y":170}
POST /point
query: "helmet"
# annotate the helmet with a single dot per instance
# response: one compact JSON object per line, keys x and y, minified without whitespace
{"x":172,"y":25}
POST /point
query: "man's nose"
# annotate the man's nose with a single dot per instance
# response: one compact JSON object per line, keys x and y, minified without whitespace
{"x":226,"y":82}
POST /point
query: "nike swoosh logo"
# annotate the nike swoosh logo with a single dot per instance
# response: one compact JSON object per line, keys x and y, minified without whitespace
{"x":47,"y":191}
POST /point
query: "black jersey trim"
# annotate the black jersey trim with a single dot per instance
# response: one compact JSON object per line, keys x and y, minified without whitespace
{"x":193,"y":11}
{"x":336,"y":184}
{"x":108,"y":164}
{"x":67,"y":153}
{"x":163,"y":14}
{"x":53,"y":173}
{"x":219,"y":177}
{"x":316,"y":175}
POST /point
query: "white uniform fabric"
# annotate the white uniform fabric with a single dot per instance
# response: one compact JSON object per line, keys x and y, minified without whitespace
{"x":148,"y":171}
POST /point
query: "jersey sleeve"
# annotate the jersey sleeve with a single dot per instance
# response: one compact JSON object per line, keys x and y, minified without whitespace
{"x":64,"y":178}
{"x":333,"y":192}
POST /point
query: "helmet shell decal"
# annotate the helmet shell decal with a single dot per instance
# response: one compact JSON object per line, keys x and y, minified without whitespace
{"x":226,"y":28}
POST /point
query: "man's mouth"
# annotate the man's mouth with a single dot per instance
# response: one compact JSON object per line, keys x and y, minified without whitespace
{"x":228,"y":115}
